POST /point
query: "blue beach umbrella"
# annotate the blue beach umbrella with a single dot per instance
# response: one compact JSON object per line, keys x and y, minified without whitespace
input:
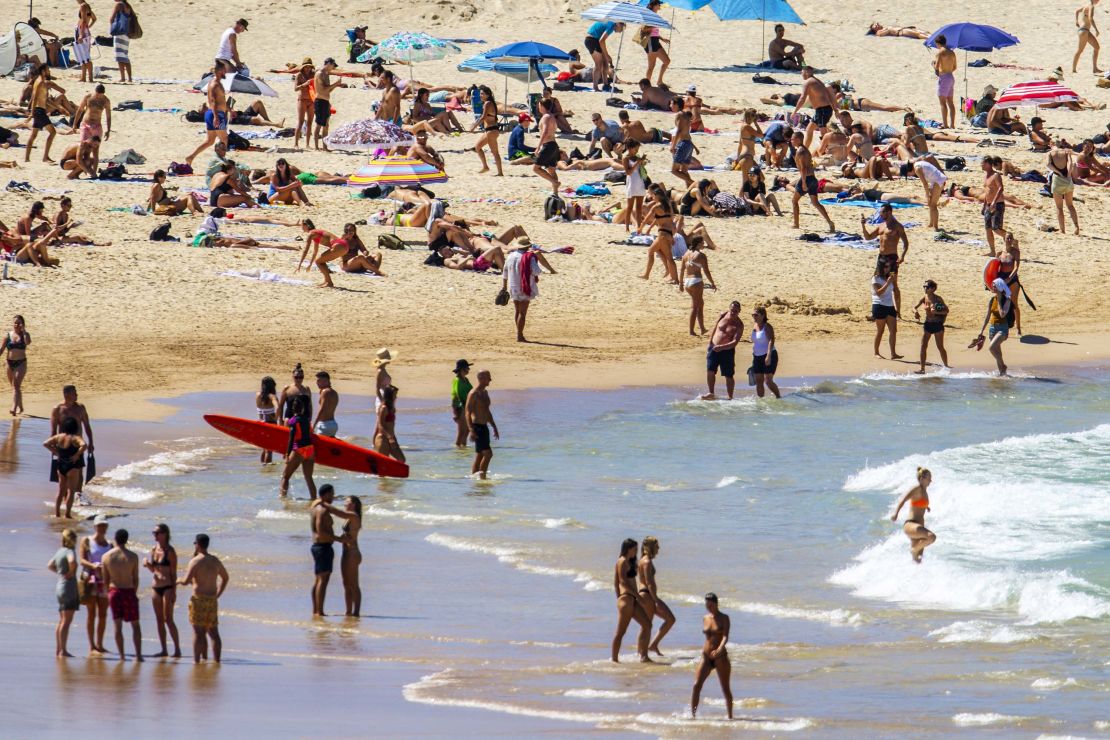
{"x":517,"y":70}
{"x":527,"y":51}
{"x":778,"y":11}
{"x":972,"y":37}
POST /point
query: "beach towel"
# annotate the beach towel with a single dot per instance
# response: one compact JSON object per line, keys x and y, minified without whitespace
{"x":859,"y":203}
{"x":637,"y":240}
{"x":528,"y":265}
{"x":841,"y":239}
{"x":263,"y":276}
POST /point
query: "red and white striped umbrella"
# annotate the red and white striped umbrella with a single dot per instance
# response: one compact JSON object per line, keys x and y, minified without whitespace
{"x":1036,"y":93}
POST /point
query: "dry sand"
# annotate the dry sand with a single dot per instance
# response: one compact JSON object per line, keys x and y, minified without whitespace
{"x":140,"y":319}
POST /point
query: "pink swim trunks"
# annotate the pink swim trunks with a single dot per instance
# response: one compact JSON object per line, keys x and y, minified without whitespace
{"x":946,"y":85}
{"x":89,"y":130}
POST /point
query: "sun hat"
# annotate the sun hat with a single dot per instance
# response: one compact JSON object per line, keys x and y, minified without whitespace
{"x":384,"y":356}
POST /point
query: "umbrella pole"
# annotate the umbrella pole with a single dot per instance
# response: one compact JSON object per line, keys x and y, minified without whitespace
{"x":670,"y":36}
{"x":965,"y":74}
{"x":617,"y":64}
{"x":763,"y":30}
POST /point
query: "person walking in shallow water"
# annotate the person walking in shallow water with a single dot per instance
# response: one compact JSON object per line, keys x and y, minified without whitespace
{"x":714,"y":657}
{"x":629,"y":603}
{"x":918,"y":496}
{"x":649,"y":593}
{"x":479,"y":419}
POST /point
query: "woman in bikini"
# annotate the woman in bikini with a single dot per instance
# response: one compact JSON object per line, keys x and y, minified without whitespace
{"x":358,"y":259}
{"x":285,"y":187}
{"x":745,"y":149}
{"x":225,"y":191}
{"x":63,"y":222}
{"x":26,"y":226}
{"x":876,"y":168}
{"x":698,"y":200}
{"x":1009,"y":263}
{"x":1088,"y":170}
{"x":847,"y":101}
{"x":715,"y":626}
{"x":694,"y":264}
{"x":351,"y":558}
{"x":936,"y":311}
{"x":661,"y":214}
{"x":973,"y":194}
{"x":654,"y":48}
{"x":161,"y":204}
{"x":162,"y":565}
{"x":918,"y":496}
{"x":490,"y":130}
{"x":16,"y":342}
{"x":304,"y":84}
{"x":266,"y":404}
{"x":905,"y":32}
{"x":69,"y":449}
{"x":629,"y":606}
{"x":424,"y":118}
{"x":385,"y":434}
{"x":334,"y":248}
{"x":1087,"y":29}
{"x":649,"y":594}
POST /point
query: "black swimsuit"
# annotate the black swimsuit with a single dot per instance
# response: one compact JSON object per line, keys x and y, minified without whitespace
{"x":163,"y":563}
{"x":69,"y":459}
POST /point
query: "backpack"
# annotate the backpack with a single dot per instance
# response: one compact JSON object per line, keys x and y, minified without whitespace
{"x":160,"y":233}
{"x":112,"y":172}
{"x":194,"y":116}
{"x":955,"y":164}
{"x":390,"y":241}
{"x":1010,"y":315}
{"x":180,"y":168}
{"x":554,"y":207}
{"x":615,"y":177}
{"x":235,"y":141}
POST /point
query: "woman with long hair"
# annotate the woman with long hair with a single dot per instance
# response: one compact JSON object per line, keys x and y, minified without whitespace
{"x":490,"y":130}
{"x":649,"y":594}
{"x":162,"y":565}
{"x":661,"y":213}
{"x":265,"y":403}
{"x":629,"y":605}
{"x":69,"y":449}
{"x":351,"y":558}
{"x":16,"y":342}
{"x":385,"y":437}
{"x":285,"y":188}
{"x":693,"y":279}
{"x":918,"y":496}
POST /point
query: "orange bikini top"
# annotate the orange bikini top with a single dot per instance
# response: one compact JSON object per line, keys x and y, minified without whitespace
{"x":920,"y":503}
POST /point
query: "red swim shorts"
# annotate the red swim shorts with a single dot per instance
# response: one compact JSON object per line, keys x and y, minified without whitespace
{"x":124,"y":603}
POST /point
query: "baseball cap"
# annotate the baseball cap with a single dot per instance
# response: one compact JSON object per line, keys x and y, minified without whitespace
{"x":100,"y":520}
{"x":243,"y":22}
{"x":693,"y":89}
{"x":330,"y":60}
{"x":524,"y":117}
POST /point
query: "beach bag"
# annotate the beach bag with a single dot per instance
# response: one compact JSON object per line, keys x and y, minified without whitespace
{"x":390,"y":241}
{"x":235,"y":141}
{"x":955,"y":164}
{"x":643,"y":37}
{"x":135,"y":31}
{"x":554,"y":207}
{"x":119,"y":26}
{"x":160,"y":232}
{"x":502,"y":298}
{"x":112,"y":172}
{"x":615,"y":177}
{"x":194,"y":116}
{"x":563,"y":85}
{"x":180,"y":168}
{"x":90,"y":468}
{"x":129,"y":105}
{"x":1011,"y":315}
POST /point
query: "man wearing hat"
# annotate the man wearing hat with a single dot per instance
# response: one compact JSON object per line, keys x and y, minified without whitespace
{"x":228,"y":53}
{"x":518,"y":150}
{"x":94,"y":593}
{"x":382,"y":358}
{"x":460,"y":389}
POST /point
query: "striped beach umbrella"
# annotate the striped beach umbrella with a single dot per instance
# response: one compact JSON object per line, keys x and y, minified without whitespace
{"x":398,"y":170}
{"x":1037,"y":92}
{"x":369,"y":133}
{"x":620,"y":12}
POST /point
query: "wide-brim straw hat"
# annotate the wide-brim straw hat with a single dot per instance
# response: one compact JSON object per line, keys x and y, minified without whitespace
{"x":384,"y":356}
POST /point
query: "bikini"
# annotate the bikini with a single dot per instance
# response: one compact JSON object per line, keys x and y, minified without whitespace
{"x":164,"y":563}
{"x":10,"y":345}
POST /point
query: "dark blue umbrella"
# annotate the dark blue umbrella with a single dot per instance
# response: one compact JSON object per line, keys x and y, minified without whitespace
{"x":972,"y":37}
{"x":778,"y":11}
{"x":525,"y":51}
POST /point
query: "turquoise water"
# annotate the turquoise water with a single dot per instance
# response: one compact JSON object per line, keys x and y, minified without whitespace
{"x":503,"y":589}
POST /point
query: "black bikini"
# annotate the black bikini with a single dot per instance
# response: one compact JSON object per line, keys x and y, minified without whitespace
{"x":163,"y":563}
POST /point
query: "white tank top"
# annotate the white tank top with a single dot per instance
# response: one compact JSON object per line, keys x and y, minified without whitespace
{"x":760,"y":341}
{"x":225,"y":44}
{"x":97,"y":551}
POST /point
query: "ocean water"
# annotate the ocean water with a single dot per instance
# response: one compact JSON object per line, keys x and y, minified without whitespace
{"x":501,"y":591}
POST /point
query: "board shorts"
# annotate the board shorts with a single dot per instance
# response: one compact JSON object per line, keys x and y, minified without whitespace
{"x":946,"y":85}
{"x":764,"y":365}
{"x":327,"y":428}
{"x":481,"y":437}
{"x":808,"y":186}
{"x":1002,"y":329}
{"x":322,"y":111}
{"x":39,"y":119}
{"x":307,"y":178}
{"x":683,"y":152}
{"x":204,"y":612}
{"x":880,"y":312}
{"x":548,"y":155}
{"x":89,"y":130}
{"x":124,"y":604}
{"x":723,"y":360}
{"x":592,"y":45}
{"x":890,"y":261}
{"x":823,"y":115}
{"x":215,"y":120}
{"x":934,"y":327}
{"x":993,"y":216}
{"x":323,"y":557}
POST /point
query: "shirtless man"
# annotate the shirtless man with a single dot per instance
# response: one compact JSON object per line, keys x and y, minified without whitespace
{"x":323,"y":539}
{"x":655,"y":97}
{"x":209,"y":579}
{"x":426,"y":154}
{"x":390,"y":107}
{"x":322,"y":106}
{"x":697,"y":107}
{"x":40,"y":90}
{"x":807,"y":181}
{"x":820,"y":98}
{"x":682,"y":145}
{"x":847,"y":123}
{"x":1087,"y":28}
{"x":944,"y":65}
{"x":325,"y":423}
{"x":89,"y":113}
{"x":216,"y":117}
{"x":635,"y":130}
{"x":994,"y":207}
{"x":784,"y":53}
{"x":121,"y":576}
{"x":547,"y":151}
{"x":80,"y":158}
{"x":479,"y":418}
{"x":889,"y":233}
{"x":721,"y":354}
{"x":69,"y":408}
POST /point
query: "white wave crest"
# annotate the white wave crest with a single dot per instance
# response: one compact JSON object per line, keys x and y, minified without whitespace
{"x":134,"y":495}
{"x":277,"y":514}
{"x":161,"y":464}
{"x":977,"y":630}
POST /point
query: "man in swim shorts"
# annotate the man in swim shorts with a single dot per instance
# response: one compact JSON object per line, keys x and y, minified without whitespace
{"x":890,"y":232}
{"x":92,"y":108}
{"x":325,"y":414}
{"x":816,"y":94}
{"x":121,"y":576}
{"x":547,"y":151}
{"x":479,"y":418}
{"x":682,"y":145}
{"x":783,"y":53}
{"x":807,"y":181}
{"x":323,"y":539}
{"x":721,"y":353}
{"x":322,"y":107}
{"x":209,"y":579}
{"x":944,"y":65}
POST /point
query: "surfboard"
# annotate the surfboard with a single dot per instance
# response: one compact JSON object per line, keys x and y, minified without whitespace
{"x":334,"y":453}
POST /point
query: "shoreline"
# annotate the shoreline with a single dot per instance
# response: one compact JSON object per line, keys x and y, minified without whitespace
{"x":428,"y":380}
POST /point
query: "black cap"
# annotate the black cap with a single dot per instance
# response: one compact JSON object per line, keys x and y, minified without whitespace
{"x":461,"y":365}
{"x":243,"y":22}
{"x":217,"y":212}
{"x":711,"y":597}
{"x":330,"y":61}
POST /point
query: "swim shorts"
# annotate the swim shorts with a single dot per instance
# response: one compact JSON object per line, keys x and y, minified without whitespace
{"x":723,"y":360}
{"x":683,"y":152}
{"x":89,"y":130}
{"x":203,"y":612}
{"x":307,"y":178}
{"x":654,"y":45}
{"x":215,"y":120}
{"x":808,"y":186}
{"x":823,"y":115}
{"x":322,"y":109}
{"x":946,"y":85}
{"x":548,"y":155}
{"x":592,"y":45}
{"x":327,"y":428}
{"x":890,"y":261}
{"x":39,"y":119}
{"x":993,"y":216}
{"x":934,"y":327}
{"x":880,"y":312}
{"x":323,"y":557}
{"x":481,"y":437}
{"x":124,"y":604}
{"x":764,"y":365}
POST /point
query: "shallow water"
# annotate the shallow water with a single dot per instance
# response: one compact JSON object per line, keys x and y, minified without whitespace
{"x":503,"y":589}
